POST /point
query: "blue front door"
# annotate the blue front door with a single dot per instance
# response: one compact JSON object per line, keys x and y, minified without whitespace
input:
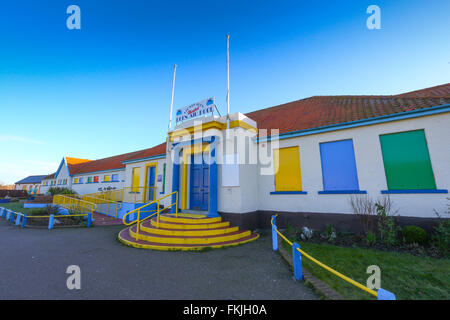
{"x":151,"y":184}
{"x":199,"y":195}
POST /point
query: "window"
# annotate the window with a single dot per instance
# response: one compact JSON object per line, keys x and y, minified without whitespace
{"x":95,"y":179}
{"x":106,"y":178}
{"x":135,"y":179}
{"x":75,"y":180}
{"x":80,"y":180}
{"x":287,"y":170}
{"x":89,"y":180}
{"x":115,"y":177}
{"x":339,"y":167}
{"x":407,"y":161}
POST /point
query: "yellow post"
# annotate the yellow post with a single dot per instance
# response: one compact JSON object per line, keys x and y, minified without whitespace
{"x":137,"y":225}
{"x":176,"y":205}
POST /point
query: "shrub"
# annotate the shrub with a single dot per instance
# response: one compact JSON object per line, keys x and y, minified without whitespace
{"x":58,"y":190}
{"x":329,"y":234}
{"x":371,"y":238}
{"x":68,"y":191}
{"x":441,"y":234}
{"x":364,"y":208}
{"x":414,"y":234}
{"x":39,"y":212}
{"x":386,"y":224}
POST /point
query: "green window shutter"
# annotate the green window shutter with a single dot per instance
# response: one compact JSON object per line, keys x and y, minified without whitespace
{"x":407,"y":161}
{"x":164,"y":180}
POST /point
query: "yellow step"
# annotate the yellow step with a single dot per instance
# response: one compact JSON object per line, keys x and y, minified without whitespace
{"x":124,"y":237}
{"x":180,"y":219}
{"x":187,"y":232}
{"x":187,"y":226}
{"x":155,"y":238}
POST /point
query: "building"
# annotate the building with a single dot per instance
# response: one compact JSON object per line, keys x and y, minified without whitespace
{"x":303,"y":160}
{"x":32,"y":184}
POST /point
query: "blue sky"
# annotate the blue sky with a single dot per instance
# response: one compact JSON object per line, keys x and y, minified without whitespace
{"x":105,"y":89}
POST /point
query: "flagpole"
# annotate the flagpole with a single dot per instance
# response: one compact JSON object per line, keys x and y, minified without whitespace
{"x":228,"y":85}
{"x":171,"y":106}
{"x":171,"y":100}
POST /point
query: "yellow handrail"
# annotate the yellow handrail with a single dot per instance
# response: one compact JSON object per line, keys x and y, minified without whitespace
{"x":157,"y":212}
{"x":137,"y":194}
{"x":99,"y":201}
{"x":73,"y":203}
{"x":340,"y":275}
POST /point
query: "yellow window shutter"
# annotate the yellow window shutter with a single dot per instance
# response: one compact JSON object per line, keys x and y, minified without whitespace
{"x":135,"y":179}
{"x":288,"y":175}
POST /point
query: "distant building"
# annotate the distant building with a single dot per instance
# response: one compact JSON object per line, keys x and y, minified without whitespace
{"x":32,"y":184}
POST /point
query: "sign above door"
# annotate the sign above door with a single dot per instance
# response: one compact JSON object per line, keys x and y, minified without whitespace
{"x":195,"y":110}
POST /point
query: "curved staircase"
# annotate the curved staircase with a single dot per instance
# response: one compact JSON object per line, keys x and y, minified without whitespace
{"x":187,"y":232}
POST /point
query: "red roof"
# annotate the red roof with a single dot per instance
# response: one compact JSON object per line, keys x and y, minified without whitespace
{"x":50,"y":176}
{"x":322,"y":111}
{"x":303,"y":114}
{"x":442,"y":90}
{"x":115,"y":162}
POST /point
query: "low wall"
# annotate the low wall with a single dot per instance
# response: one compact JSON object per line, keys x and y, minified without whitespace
{"x":36,"y":205}
{"x":315,"y":220}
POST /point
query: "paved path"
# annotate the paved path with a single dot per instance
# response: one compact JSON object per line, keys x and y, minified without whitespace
{"x":104,"y":220}
{"x":33,"y":263}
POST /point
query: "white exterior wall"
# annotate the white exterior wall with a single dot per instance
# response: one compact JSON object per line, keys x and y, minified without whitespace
{"x":85,"y":187}
{"x":44,"y":189}
{"x":370,"y":169}
{"x":129,"y":196}
{"x":63,"y":174}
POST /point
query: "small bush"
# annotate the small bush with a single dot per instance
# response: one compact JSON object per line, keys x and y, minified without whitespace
{"x":371,"y":238}
{"x":414,"y":234}
{"x":57,"y":190}
{"x":39,"y":212}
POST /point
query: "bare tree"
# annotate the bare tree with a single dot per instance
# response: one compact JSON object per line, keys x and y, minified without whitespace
{"x":364,"y":207}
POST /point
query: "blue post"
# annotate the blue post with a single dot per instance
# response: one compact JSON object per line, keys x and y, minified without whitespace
{"x":12,"y":217}
{"x":89,"y":220}
{"x":2,"y":211}
{"x":24,"y":221}
{"x":8,"y":214}
{"x":51,"y":221}
{"x":385,"y":295}
{"x":297,"y":261}
{"x":274,"y":235}
{"x":18,"y":218}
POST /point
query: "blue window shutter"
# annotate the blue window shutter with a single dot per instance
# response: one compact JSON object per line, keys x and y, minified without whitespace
{"x":339,"y":166}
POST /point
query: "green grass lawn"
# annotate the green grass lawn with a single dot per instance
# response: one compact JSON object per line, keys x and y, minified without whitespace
{"x":17,"y":207}
{"x":407,"y":276}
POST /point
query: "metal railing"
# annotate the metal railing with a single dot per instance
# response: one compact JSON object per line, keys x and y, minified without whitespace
{"x":103,"y":205}
{"x":297,"y":262}
{"x":18,"y":218}
{"x":156,"y":212}
{"x":137,"y":194}
{"x":74,"y":204}
{"x":112,"y":195}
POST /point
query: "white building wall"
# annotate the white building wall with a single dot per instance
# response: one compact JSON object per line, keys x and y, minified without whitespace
{"x":92,"y":187}
{"x":130,"y":196}
{"x":63,"y":174}
{"x":370,"y":169}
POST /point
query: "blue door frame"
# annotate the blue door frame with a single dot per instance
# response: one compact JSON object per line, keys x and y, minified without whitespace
{"x":212,"y":208}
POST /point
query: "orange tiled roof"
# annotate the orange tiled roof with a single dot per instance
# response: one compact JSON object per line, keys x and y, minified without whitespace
{"x":72,"y":161}
{"x":321,"y":111}
{"x":115,"y":162}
